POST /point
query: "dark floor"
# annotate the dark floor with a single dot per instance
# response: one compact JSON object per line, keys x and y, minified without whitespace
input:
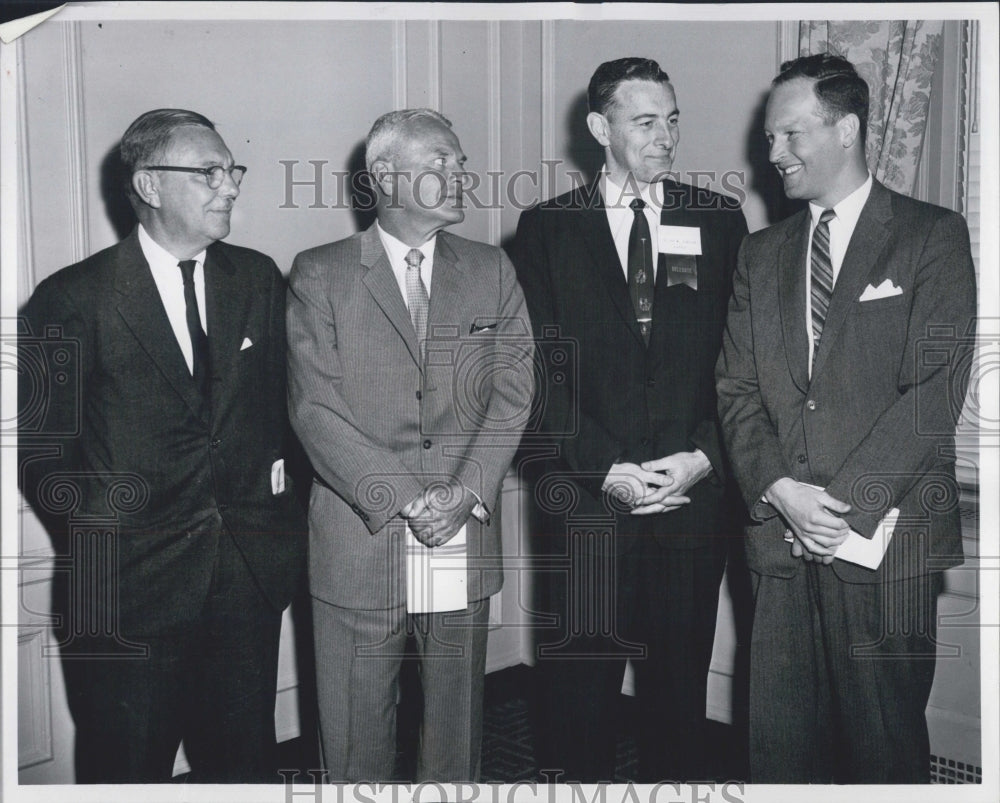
{"x":508,"y":738}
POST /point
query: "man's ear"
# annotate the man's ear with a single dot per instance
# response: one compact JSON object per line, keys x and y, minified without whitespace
{"x":598,"y":125}
{"x":383,"y":176}
{"x":147,"y":187}
{"x":850,"y":128}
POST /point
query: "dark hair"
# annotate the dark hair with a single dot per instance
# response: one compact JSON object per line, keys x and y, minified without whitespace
{"x":838,"y":87}
{"x":144,"y":142}
{"x":607,"y":77}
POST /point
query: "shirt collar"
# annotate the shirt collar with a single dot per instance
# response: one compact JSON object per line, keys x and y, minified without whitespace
{"x":617,"y":197}
{"x":849,"y":209}
{"x":158,"y":256}
{"x":397,"y":250}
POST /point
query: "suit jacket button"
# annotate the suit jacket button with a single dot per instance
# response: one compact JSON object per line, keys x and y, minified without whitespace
{"x":419,"y":395}
{"x":223,"y":508}
{"x":811,"y":404}
{"x":650,"y":382}
{"x":802,"y":458}
{"x":215,"y":443}
{"x":427,"y":444}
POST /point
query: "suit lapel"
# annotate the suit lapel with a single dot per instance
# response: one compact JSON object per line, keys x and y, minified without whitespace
{"x":792,"y":301}
{"x":595,"y":235}
{"x":227,"y":302}
{"x":141,"y":308}
{"x":446,"y":289}
{"x":869,"y":238}
{"x":381,"y":283}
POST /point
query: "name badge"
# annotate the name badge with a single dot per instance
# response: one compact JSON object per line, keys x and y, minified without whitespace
{"x":680,"y":240}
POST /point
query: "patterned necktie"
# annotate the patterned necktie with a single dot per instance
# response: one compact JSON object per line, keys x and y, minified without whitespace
{"x":416,"y":297}
{"x":640,"y":284}
{"x":822,"y":274}
{"x":199,"y":340}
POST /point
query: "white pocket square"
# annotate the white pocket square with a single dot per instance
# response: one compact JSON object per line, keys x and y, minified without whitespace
{"x":885,"y":290}
{"x":247,"y":343}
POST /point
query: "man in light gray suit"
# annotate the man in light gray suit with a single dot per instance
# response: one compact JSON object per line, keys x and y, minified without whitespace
{"x":410,"y":382}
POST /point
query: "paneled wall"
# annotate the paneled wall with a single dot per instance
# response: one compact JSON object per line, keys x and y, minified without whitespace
{"x":294,"y":100}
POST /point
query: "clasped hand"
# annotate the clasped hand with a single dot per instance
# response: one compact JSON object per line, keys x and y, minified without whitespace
{"x":810,"y":514}
{"x":439,"y":512}
{"x":657,"y":486}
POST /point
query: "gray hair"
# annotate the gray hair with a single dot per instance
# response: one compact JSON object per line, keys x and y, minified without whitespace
{"x":384,"y":139}
{"x":146,"y":140}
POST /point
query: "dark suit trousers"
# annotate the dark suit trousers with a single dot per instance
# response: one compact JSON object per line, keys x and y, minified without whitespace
{"x":359,"y":655}
{"x":840,"y":675}
{"x":210,"y":682}
{"x":664,"y":607}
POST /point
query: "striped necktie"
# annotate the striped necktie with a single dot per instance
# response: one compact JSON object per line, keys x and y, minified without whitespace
{"x":822,"y":274}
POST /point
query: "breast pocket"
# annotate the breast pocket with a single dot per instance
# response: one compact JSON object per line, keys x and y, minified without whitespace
{"x":882,"y":306}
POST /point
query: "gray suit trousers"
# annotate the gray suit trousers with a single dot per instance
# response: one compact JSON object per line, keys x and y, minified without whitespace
{"x":840,"y":675}
{"x":359,"y":654}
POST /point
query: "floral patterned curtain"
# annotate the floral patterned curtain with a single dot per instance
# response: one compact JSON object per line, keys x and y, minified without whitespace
{"x":897,"y":58}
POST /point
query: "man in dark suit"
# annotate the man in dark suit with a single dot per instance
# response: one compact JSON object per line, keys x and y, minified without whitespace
{"x":839,"y":386}
{"x":410,"y":382}
{"x":184,"y":542}
{"x":633,"y":273}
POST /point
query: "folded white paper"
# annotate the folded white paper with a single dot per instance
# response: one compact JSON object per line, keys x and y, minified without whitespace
{"x":868,"y":552}
{"x":436,"y":577}
{"x":278,"y":476}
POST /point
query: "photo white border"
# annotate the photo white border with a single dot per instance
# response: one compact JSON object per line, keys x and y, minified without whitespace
{"x":989,"y":498}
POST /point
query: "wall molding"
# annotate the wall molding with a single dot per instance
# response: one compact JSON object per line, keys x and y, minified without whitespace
{"x":76,"y":141}
{"x":434,"y":64}
{"x":494,"y":89}
{"x":399,"y":64}
{"x":788,"y":42}
{"x":548,"y":101}
{"x":34,"y":718}
{"x":25,"y":249}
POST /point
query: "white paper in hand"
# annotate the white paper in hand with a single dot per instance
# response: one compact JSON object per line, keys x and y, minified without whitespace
{"x":868,"y":552}
{"x":436,"y":578}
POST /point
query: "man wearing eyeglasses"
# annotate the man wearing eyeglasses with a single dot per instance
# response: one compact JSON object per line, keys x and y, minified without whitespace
{"x":171,"y":426}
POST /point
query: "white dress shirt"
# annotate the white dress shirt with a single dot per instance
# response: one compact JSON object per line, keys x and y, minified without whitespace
{"x":841,"y":228}
{"x":620,"y":215}
{"x":397,"y":250}
{"x":170,"y":284}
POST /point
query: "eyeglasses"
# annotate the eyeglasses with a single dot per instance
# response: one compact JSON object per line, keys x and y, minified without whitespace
{"x":213,"y":175}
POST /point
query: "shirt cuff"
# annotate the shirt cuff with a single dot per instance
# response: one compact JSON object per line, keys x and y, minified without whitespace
{"x":480,"y":512}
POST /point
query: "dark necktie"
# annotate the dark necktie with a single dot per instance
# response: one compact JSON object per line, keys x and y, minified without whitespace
{"x":822,"y":274}
{"x":640,"y":278}
{"x":416,"y":297}
{"x":199,"y":340}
